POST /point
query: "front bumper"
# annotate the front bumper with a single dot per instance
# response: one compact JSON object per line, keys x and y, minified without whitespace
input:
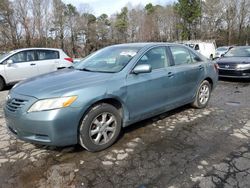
{"x":55,"y":127}
{"x":234,"y":73}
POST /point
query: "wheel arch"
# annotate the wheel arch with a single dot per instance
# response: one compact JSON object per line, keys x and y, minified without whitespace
{"x":3,"y":79}
{"x":114,"y":101}
{"x":4,"y":82}
{"x":210,"y":81}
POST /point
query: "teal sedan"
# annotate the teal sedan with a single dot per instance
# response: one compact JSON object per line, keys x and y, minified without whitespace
{"x":90,"y":102}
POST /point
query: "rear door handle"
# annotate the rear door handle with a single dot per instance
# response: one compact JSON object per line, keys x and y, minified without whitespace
{"x":32,"y":64}
{"x":201,"y":67}
{"x":170,"y":74}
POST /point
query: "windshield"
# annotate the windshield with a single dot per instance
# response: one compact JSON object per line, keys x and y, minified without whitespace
{"x":238,"y":52}
{"x":5,"y":55}
{"x":110,"y":59}
{"x":222,"y":49}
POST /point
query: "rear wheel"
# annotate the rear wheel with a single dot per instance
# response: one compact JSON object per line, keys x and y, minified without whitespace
{"x":2,"y":84}
{"x":211,"y":57}
{"x":203,"y":95}
{"x":100,"y":127}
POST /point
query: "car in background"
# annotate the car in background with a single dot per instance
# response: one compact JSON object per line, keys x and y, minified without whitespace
{"x":235,"y":63}
{"x":76,"y":61}
{"x":221,"y":51}
{"x":114,"y":87}
{"x":207,"y":49}
{"x":24,"y":63}
{"x":2,"y":53}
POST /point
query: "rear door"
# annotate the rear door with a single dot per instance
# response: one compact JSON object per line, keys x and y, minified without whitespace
{"x":47,"y":60}
{"x":24,"y":66}
{"x":189,"y":71}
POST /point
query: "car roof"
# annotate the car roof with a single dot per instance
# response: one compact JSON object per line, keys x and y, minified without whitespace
{"x":146,"y":44}
{"x":241,"y":46}
{"x":21,"y":49}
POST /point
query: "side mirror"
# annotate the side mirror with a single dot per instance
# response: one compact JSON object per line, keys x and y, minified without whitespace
{"x":197,"y":59}
{"x":144,"y":68}
{"x":9,"y":62}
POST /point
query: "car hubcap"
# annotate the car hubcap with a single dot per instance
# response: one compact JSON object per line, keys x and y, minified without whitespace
{"x":204,"y":94}
{"x":102,"y":128}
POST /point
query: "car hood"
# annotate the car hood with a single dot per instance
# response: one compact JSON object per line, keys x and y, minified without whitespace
{"x":60,"y":82}
{"x":234,"y":60}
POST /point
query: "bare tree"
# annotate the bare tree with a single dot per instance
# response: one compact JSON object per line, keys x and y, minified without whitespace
{"x":9,"y":24}
{"x":52,"y":23}
{"x":59,"y":20}
{"x":23,"y":11}
{"x":242,"y":15}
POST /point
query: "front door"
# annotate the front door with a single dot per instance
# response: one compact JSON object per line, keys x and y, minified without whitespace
{"x":23,"y":66}
{"x":147,"y":92}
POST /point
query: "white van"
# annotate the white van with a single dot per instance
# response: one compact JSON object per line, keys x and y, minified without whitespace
{"x":24,"y":63}
{"x":207,"y":49}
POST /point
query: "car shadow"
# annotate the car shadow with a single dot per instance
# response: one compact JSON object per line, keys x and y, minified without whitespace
{"x":153,"y":119}
{"x":241,"y":80}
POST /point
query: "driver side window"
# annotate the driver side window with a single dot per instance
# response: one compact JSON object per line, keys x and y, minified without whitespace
{"x":156,"y":57}
{"x":18,"y":57}
{"x":24,"y":56}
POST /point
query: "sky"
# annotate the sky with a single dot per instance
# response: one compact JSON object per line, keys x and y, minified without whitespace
{"x":109,"y":7}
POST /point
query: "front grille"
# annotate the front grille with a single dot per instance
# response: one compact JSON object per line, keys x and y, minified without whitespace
{"x":228,"y":66}
{"x":229,"y":72}
{"x":14,"y":105}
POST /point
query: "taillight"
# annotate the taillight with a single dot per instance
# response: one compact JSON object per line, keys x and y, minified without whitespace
{"x":68,"y":59}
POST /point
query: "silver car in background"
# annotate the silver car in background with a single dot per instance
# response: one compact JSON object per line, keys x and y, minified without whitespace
{"x":24,"y":63}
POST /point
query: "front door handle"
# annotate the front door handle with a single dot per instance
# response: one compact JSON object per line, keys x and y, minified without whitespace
{"x":32,"y":64}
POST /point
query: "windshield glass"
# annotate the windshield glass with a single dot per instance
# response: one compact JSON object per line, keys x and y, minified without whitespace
{"x":221,"y":49}
{"x":5,"y":55}
{"x":110,"y":59}
{"x":238,"y":52}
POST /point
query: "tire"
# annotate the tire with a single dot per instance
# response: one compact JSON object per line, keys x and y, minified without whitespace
{"x":2,"y":84}
{"x":100,"y":127}
{"x":202,"y":95}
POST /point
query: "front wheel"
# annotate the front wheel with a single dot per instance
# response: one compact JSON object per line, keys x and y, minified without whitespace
{"x":2,"y":84}
{"x":202,"y":95}
{"x":100,"y":127}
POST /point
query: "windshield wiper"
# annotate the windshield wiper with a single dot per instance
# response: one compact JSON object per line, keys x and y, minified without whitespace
{"x":88,"y":70}
{"x":85,"y":69}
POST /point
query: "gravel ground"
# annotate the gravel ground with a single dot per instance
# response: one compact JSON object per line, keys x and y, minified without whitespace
{"x":185,"y":147}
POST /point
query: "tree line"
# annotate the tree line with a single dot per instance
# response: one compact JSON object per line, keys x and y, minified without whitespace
{"x":52,"y":23}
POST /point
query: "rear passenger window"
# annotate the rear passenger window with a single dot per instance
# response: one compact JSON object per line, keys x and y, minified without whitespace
{"x":181,"y":55}
{"x":47,"y":54}
{"x":156,"y":57}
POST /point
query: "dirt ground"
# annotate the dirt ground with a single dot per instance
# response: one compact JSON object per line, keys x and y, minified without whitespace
{"x":185,"y":147}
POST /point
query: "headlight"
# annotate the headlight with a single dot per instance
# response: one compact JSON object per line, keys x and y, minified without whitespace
{"x":50,"y":104}
{"x":243,"y":66}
